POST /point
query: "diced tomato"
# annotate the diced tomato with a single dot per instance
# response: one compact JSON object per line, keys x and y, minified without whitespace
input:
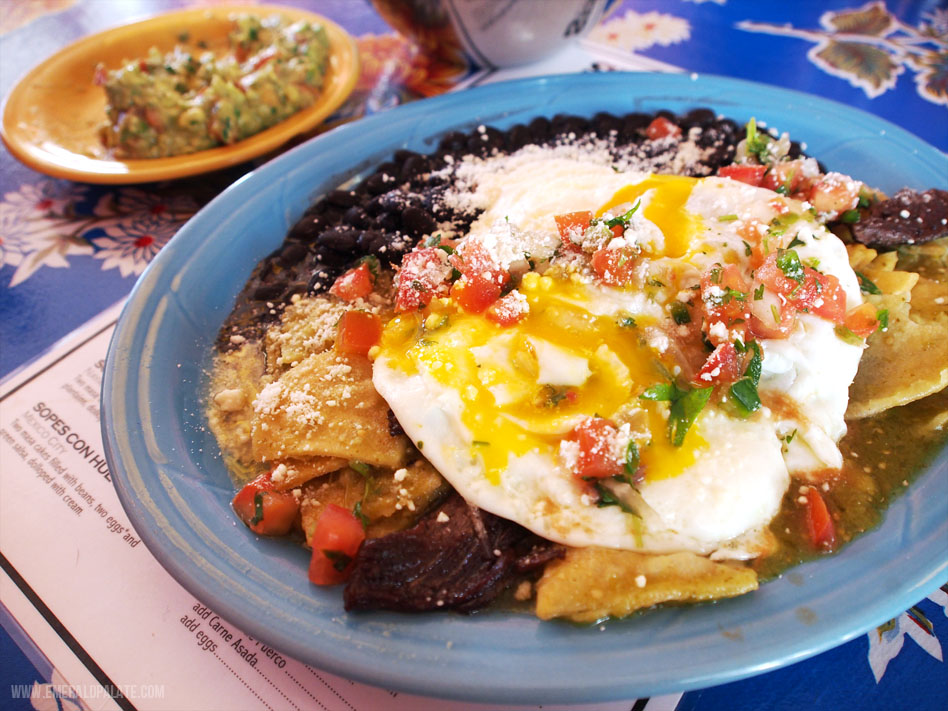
{"x":661,"y":127}
{"x":744,"y":173}
{"x":615,"y":267}
{"x":474,"y":261}
{"x":265,"y":510}
{"x":829,"y":299}
{"x":572,"y":225}
{"x":482,"y":279}
{"x":835,"y":193}
{"x":819,"y":294}
{"x":722,"y":366}
{"x":474,"y":295}
{"x":724,"y":300}
{"x":599,"y":448}
{"x":819,"y":523}
{"x":508,"y":310}
{"x":423,"y":276}
{"x":787,"y":176}
{"x":862,"y":320}
{"x":357,"y":283}
{"x":335,"y":542}
{"x":358,"y":332}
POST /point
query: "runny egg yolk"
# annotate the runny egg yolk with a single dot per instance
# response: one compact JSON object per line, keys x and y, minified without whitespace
{"x":665,"y":208}
{"x":525,"y":387}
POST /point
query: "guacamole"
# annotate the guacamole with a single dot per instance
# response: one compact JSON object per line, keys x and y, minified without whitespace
{"x":192,"y":99}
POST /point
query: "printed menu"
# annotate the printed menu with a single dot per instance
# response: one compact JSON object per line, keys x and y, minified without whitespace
{"x":118,"y":630}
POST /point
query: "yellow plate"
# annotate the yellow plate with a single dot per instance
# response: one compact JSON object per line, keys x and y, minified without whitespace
{"x":51,"y":118}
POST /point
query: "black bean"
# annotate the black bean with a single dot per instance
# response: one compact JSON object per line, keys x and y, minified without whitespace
{"x":697,"y":117}
{"x":376,"y":184}
{"x":292,"y":254}
{"x":604,"y":124}
{"x":306,"y":230}
{"x":269,"y":292}
{"x":403,"y":154}
{"x":356,"y":217}
{"x":518,"y":136}
{"x":477,"y":145}
{"x":374,"y":207}
{"x":414,"y":165}
{"x":342,"y":198}
{"x":339,"y":239}
{"x":369,"y":239}
{"x":387,"y":168}
{"x":327,"y":258}
{"x":453,"y":142}
{"x":297,"y":287}
{"x":388,"y":221}
{"x":417,"y":221}
{"x":565,"y":124}
{"x":729,"y":128}
{"x":540,"y":129}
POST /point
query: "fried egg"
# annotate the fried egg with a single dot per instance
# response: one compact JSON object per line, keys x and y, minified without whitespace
{"x":492,"y":407}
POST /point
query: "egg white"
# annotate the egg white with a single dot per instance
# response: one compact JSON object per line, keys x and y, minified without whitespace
{"x":734,"y":489}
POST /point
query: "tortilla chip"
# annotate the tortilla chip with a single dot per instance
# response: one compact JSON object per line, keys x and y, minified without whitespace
{"x":307,"y":326}
{"x":590,"y":584}
{"x":325,"y":406}
{"x":293,"y":473}
{"x":909,"y":360}
{"x":235,"y":376}
{"x":388,"y":503}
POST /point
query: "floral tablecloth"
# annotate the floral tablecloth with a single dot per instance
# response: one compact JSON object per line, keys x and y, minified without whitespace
{"x":69,"y":250}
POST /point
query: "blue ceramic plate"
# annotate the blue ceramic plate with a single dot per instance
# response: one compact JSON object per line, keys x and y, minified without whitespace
{"x":176,"y":490}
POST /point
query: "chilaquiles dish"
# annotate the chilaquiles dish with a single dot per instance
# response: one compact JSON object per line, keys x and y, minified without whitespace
{"x":585,"y":366}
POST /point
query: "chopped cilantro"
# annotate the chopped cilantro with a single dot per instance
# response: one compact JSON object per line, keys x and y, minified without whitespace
{"x":744,"y":391}
{"x":848,"y":336}
{"x":757,"y":143}
{"x":789,"y":263}
{"x":340,"y":561}
{"x":883,"y":317}
{"x":796,"y":242}
{"x":866,"y":286}
{"x":625,"y":218}
{"x":361,"y":468}
{"x":359,"y":514}
{"x":849,"y":217}
{"x":608,"y":498}
{"x":685,"y":407}
{"x":759,"y":293}
{"x":748,"y":251}
{"x":257,"y":508}
{"x":626,"y":322}
{"x":680,"y":313}
{"x":631,"y":459}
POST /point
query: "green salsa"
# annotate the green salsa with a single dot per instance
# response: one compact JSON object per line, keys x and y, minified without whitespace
{"x":192,"y":99}
{"x":882,"y":455}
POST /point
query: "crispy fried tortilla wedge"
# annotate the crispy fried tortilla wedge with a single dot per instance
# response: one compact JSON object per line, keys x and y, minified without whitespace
{"x":592,"y":583}
{"x":307,"y":326}
{"x":909,"y":360}
{"x":234,"y":381}
{"x":293,"y":473}
{"x":325,"y":406}
{"x":388,"y":503}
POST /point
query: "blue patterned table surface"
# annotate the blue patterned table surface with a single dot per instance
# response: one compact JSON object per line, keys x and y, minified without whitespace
{"x":70,"y":250}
